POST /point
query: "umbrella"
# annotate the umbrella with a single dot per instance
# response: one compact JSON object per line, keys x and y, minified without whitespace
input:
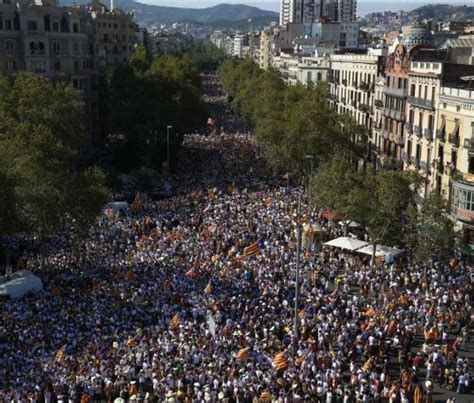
{"x":380,"y":250}
{"x":349,"y":223}
{"x":345,"y":242}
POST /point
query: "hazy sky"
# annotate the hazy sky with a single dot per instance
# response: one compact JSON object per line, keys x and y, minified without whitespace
{"x":364,"y":6}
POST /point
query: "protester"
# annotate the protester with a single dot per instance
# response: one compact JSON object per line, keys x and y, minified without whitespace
{"x":191,"y":298}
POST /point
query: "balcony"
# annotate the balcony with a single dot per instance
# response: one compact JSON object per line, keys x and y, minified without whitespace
{"x":462,"y":192}
{"x":469,"y":144}
{"x":332,"y":97}
{"x":441,"y":135}
{"x":428,"y":134}
{"x":364,"y":86}
{"x":406,"y":157}
{"x":396,"y":92}
{"x":378,"y":103}
{"x":409,"y":126}
{"x":391,"y":164}
{"x":415,"y":161}
{"x":425,"y":167}
{"x":399,"y":116}
{"x":354,"y":84}
{"x":399,"y":140}
{"x":385,"y":134}
{"x":344,"y":82}
{"x":343,"y":100}
{"x":454,"y":139}
{"x":353,"y":103}
{"x":421,"y":103}
{"x":363,"y":107}
{"x":417,"y":130}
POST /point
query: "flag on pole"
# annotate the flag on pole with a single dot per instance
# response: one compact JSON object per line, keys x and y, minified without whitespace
{"x":175,"y":322}
{"x":137,"y":203}
{"x":60,"y":354}
{"x":243,"y":354}
{"x":279,"y":362}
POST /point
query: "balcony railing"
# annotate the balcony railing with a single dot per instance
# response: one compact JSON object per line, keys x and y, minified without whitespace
{"x":363,"y":107}
{"x":415,"y":161}
{"x":354,"y":84}
{"x":425,"y":167}
{"x":459,"y":204}
{"x":406,"y":157}
{"x":343,"y":100}
{"x":469,"y":144}
{"x":417,"y":130}
{"x":385,"y":134}
{"x":378,"y":103}
{"x":399,"y":116}
{"x":441,"y":135}
{"x":454,"y":139}
{"x":421,"y":103}
{"x":409,"y":126}
{"x":399,"y":140}
{"x":364,"y":86}
{"x":344,"y":82}
{"x":397,"y":92}
{"x":428,"y":134}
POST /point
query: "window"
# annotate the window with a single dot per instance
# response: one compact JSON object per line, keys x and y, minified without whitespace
{"x":115,"y":26}
{"x":8,"y":25}
{"x":124,"y":48}
{"x":412,"y":90}
{"x":57,"y":65}
{"x":75,"y":27}
{"x":420,"y":119}
{"x":38,"y":66}
{"x":426,"y":92}
{"x":454,"y":158}
{"x":76,"y":65}
{"x":32,"y":26}
{"x":56,"y":47}
{"x":418,"y":151}
{"x":433,"y":93}
{"x":37,"y":48}
{"x":411,"y":115}
{"x":76,"y":48}
{"x":1,"y":24}
{"x":9,"y":46}
{"x":430,"y":122}
{"x":10,"y":65}
{"x":55,"y":26}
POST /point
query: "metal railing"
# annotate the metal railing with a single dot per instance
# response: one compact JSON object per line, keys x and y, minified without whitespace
{"x":428,"y":134}
{"x":397,"y":92}
{"x":421,"y":102}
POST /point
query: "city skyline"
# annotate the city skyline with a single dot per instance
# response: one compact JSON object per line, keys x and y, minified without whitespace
{"x":364,"y":6}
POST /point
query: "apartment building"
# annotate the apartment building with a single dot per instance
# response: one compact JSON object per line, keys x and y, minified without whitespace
{"x":352,"y":85}
{"x":454,"y":152}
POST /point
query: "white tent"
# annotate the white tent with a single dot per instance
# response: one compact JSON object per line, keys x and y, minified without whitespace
{"x":19,"y":284}
{"x":345,"y":242}
{"x":380,"y":250}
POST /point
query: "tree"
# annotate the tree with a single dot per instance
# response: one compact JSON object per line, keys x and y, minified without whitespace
{"x":41,"y":139}
{"x":432,"y":234}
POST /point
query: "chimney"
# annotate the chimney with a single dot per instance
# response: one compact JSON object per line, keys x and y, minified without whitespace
{"x":112,"y":5}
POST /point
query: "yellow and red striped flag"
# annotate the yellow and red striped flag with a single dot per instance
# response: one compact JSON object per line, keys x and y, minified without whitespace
{"x":60,"y":354}
{"x":253,"y":249}
{"x":280,"y":362}
{"x":175,"y":322}
{"x":208,"y":289}
{"x":243,"y":354}
{"x":191,"y":273}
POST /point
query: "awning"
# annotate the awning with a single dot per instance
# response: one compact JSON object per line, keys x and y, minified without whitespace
{"x":345,"y":242}
{"x":380,"y":250}
{"x":332,"y":216}
{"x":349,"y":223}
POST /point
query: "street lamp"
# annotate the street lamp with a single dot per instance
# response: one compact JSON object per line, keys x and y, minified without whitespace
{"x":168,"y":128}
{"x":311,"y":159}
{"x":298,"y":252}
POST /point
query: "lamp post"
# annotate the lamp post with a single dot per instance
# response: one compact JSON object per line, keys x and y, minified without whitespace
{"x":168,"y":129}
{"x":311,"y":159}
{"x":298,"y":252}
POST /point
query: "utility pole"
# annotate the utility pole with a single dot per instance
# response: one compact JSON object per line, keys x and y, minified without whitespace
{"x":311,"y":159}
{"x":168,"y":128}
{"x":298,"y":252}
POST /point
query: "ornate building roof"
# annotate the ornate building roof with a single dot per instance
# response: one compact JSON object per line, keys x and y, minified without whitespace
{"x":417,"y":34}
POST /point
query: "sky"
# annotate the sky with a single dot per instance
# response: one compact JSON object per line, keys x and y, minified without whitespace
{"x":363,"y":6}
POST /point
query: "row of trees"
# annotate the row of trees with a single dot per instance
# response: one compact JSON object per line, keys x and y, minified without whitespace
{"x":147,"y":96}
{"x":44,"y":186}
{"x":291,"y":122}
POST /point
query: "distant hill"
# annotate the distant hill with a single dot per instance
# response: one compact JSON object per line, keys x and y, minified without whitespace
{"x":443,"y":12}
{"x":147,"y":14}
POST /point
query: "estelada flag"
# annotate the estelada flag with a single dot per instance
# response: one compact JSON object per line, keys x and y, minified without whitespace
{"x":208,"y":289}
{"x":279,"y":362}
{"x":254,"y":249}
{"x":243,"y":354}
{"x":190,"y":273}
{"x":137,"y":203}
{"x":175,"y":322}
{"x":60,"y":354}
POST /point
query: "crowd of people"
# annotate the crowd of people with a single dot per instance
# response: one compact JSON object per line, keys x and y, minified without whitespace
{"x":165,"y":303}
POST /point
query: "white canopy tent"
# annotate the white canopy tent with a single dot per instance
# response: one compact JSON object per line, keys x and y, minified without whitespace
{"x":345,"y":242}
{"x":19,"y":284}
{"x":380,"y":250}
